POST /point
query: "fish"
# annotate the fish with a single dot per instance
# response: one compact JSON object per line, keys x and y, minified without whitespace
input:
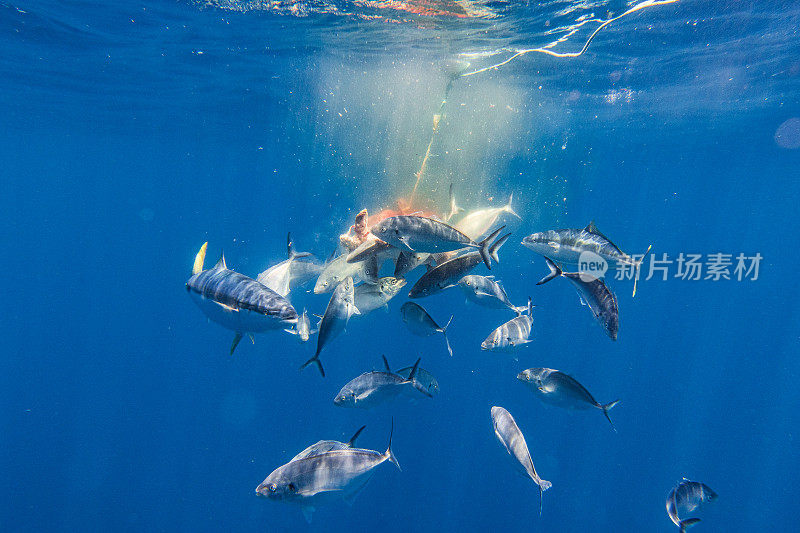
{"x":594,"y":293}
{"x":324,"y":446}
{"x":324,"y":478}
{"x":424,"y":381}
{"x":339,"y":269}
{"x":414,"y":233}
{"x":565,"y":246}
{"x":302,"y":327}
{"x":340,"y":308}
{"x":512,"y":334}
{"x":686,"y":497}
{"x":512,"y":439}
{"x":408,"y":261}
{"x":237,"y":302}
{"x":476,"y":223}
{"x":369,"y":297}
{"x":420,"y":323}
{"x":485,"y":291}
{"x":373,"y":246}
{"x":375,"y":388}
{"x":447,"y":274}
{"x":557,"y":388}
{"x":454,"y":209}
{"x":279,"y":277}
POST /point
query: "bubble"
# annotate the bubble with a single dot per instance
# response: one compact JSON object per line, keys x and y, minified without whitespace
{"x":147,"y":214}
{"x":788,"y":134}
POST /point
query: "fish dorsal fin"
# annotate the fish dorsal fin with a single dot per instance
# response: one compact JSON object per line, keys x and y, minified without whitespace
{"x":289,"y":245}
{"x":221,"y":263}
{"x":199,"y":259}
{"x":352,"y":440}
{"x":592,"y":228}
{"x":386,"y":364}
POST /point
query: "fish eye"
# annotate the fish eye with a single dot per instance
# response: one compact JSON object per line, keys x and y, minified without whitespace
{"x":397,"y":232}
{"x":273,"y":487}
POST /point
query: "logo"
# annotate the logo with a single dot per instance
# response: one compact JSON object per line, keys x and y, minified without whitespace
{"x":591,"y":266}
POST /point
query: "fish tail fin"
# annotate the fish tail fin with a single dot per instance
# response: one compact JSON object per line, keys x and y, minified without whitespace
{"x":543,"y":485}
{"x":389,"y":453}
{"x":413,"y":374}
{"x":636,"y":274}
{"x":446,"y":340}
{"x":555,"y":271}
{"x":290,"y":253}
{"x":507,"y":208}
{"x":236,"y":339}
{"x":199,"y":259}
{"x":454,"y":209}
{"x":352,"y":440}
{"x":606,"y":408}
{"x":683,"y":524}
{"x":493,"y":249}
{"x":315,"y":360}
{"x":485,"y":248}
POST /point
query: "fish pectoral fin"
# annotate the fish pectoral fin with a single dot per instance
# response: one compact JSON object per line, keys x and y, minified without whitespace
{"x":290,"y":330}
{"x":308,"y":512}
{"x":252,"y":338}
{"x":404,"y":241}
{"x":226,"y":307}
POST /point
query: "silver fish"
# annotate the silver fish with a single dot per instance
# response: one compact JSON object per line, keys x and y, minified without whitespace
{"x":685,"y":498}
{"x":476,"y":223}
{"x":454,"y":209}
{"x":340,"y":308}
{"x":421,"y":234}
{"x":512,"y":334}
{"x":236,"y":301}
{"x":447,"y":274}
{"x":566,"y":246}
{"x":339,"y":269}
{"x":373,"y":246}
{"x":302,"y":327}
{"x":324,"y":478}
{"x":408,"y":261}
{"x":369,"y":297}
{"x":424,"y":380}
{"x":513,"y":441}
{"x":485,"y":291}
{"x":420,"y":323}
{"x":375,"y":388}
{"x":279,"y":277}
{"x":557,"y":388}
{"x":595,"y":293}
{"x":324,"y":446}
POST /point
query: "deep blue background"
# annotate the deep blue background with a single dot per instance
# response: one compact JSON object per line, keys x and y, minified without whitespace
{"x":123,"y":149}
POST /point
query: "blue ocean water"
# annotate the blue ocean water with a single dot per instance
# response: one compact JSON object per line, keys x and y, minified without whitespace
{"x":134,"y":132}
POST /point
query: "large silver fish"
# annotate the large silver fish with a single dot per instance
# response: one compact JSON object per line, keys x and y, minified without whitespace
{"x":477,"y":222}
{"x":340,"y":308}
{"x":279,"y":277}
{"x":567,"y":245}
{"x":421,"y":234}
{"x":420,"y":323}
{"x":447,"y":274}
{"x":375,"y":388}
{"x":557,"y":388}
{"x":339,"y":269}
{"x":485,"y":291}
{"x":369,"y":297}
{"x":594,"y":293}
{"x":236,"y":301}
{"x":302,"y":327}
{"x":324,"y":446}
{"x":324,"y":478}
{"x":512,"y":439}
{"x":511,"y":335}
{"x":685,"y":498}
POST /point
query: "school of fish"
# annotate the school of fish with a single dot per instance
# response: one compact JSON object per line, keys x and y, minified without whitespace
{"x":449,"y":248}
